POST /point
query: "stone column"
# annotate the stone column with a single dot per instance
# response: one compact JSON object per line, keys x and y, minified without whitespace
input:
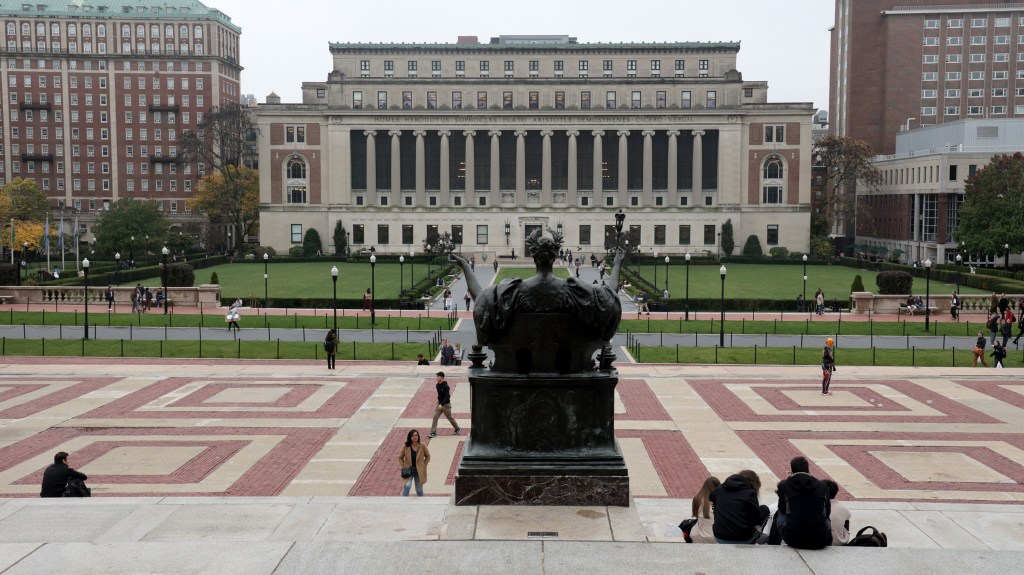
{"x":572,"y":191}
{"x":648,"y":169}
{"x":545,"y":172}
{"x":698,"y":167}
{"x":470,"y":165}
{"x":598,"y":166}
{"x":623,"y":165}
{"x":446,"y":188}
{"x":371,"y":163}
{"x":421,"y":169}
{"x":520,"y":165}
{"x":673,"y":166}
{"x":495,"y":168}
{"x":396,"y":166}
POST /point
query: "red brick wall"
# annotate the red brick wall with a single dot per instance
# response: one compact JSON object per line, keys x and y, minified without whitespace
{"x":276,"y":134}
{"x":793,"y":181}
{"x":276,"y":178}
{"x":314,"y":173}
{"x":755,"y":160}
{"x":313,"y":134}
{"x":756,"y":134}
{"x":793,"y":134}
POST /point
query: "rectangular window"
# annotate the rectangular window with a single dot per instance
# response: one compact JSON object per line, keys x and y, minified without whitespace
{"x":929,"y":76}
{"x":928,"y":111}
{"x":456,"y":100}
{"x":435,"y":65}
{"x":954,"y":41}
{"x":510,"y":65}
{"x":431,"y":100}
{"x":955,"y":23}
{"x":952,"y":76}
{"x":635,"y":101}
{"x":407,"y":100}
{"x":412,"y":66}
{"x":534,"y":100}
{"x":952,"y":93}
{"x":383,"y":234}
{"x":382,"y":100}
{"x":292,"y":134}
{"x":931,"y":23}
{"x":977,"y":58}
{"x":485,"y":66}
{"x":928,"y":94}
{"x":931,"y":40}
{"x":358,"y":234}
{"x":709,"y":234}
{"x":660,"y":100}
{"x":559,"y":65}
{"x":534,"y":65}
{"x":712,"y":99}
{"x":680,"y":66}
{"x":389,"y":66}
{"x":979,"y":40}
{"x":686,"y":100}
{"x":954,"y":58}
{"x":931,"y":59}
{"x":773,"y":235}
{"x":296,"y":233}
{"x":460,"y":65}
{"x":357,"y":100}
{"x":655,"y":65}
{"x":979,"y":22}
{"x":659,"y":235}
{"x":481,"y":100}
{"x":609,"y":100}
{"x":584,"y":100}
{"x":607,"y":65}
{"x":585,"y":235}
{"x":584,"y":65}
{"x":559,"y":100}
{"x":407,"y":234}
{"x":506,"y":100}
{"x":684,"y":235}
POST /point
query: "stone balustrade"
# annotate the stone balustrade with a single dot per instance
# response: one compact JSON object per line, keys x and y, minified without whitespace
{"x":206,"y":295}
{"x":867,"y":302}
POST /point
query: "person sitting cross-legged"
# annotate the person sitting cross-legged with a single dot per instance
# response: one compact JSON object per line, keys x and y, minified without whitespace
{"x":804,"y":509}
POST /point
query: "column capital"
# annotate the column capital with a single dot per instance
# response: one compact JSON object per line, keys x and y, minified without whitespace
{"x":698,"y":133}
{"x":419,"y":133}
{"x":494,"y":133}
{"x":394,"y":133}
{"x":520,"y":133}
{"x":469,"y":133}
{"x":647,"y":133}
{"x":572,"y":133}
{"x":622,"y":133}
{"x":672,"y":133}
{"x":547,"y":133}
{"x":370,"y":133}
{"x":597,"y":133}
{"x":444,"y":133}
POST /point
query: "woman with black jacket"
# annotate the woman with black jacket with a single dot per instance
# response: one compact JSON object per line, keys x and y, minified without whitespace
{"x":739,"y":516}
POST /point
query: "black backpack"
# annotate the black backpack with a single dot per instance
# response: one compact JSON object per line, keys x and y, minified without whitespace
{"x":76,"y":488}
{"x":873,"y":539}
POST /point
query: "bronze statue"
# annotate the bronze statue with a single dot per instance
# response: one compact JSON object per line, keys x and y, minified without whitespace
{"x":545,"y":323}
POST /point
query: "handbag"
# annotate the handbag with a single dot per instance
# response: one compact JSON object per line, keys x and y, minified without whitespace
{"x":686,"y":526}
{"x":406,"y":472}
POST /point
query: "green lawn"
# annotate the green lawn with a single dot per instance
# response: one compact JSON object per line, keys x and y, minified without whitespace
{"x":812,"y":357}
{"x":100,"y":316}
{"x":763,"y":281}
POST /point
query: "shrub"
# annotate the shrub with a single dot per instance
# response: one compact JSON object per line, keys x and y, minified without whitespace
{"x":296,"y":251}
{"x":180,"y":275}
{"x":894,"y":282}
{"x":728,"y":243}
{"x":340,"y":238}
{"x":260,"y":250}
{"x":9,"y":274}
{"x":857,"y":285}
{"x":778,"y":252}
{"x":214,"y":279}
{"x":311,"y":244}
{"x":752,"y":249}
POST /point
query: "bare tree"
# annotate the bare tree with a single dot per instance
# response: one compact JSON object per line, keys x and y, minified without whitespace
{"x":847,"y":163}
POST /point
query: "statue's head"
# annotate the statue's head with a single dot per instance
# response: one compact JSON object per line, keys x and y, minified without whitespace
{"x":544,"y":249}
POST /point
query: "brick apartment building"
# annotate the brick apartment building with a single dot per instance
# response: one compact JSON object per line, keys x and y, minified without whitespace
{"x":95,"y":95}
{"x":909,"y":63}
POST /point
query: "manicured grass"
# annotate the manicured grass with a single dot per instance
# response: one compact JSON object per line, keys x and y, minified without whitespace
{"x":211,"y":349}
{"x":812,"y":357}
{"x":940,"y":326}
{"x":155,"y":318}
{"x":311,"y":280}
{"x":762,"y":281}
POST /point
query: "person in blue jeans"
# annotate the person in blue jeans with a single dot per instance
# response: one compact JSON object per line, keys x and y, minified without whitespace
{"x":415,"y":456}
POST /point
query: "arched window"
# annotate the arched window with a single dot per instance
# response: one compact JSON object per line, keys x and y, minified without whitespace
{"x":40,"y":29}
{"x":295,"y":172}
{"x":773,"y":181}
{"x":168,"y":31}
{"x":140,"y":30}
{"x":101,"y":30}
{"x":54,"y":29}
{"x":25,"y":29}
{"x":154,"y":31}
{"x":198,"y":32}
{"x":126,"y":31}
{"x":86,"y":30}
{"x":183,"y":31}
{"x":72,"y":30}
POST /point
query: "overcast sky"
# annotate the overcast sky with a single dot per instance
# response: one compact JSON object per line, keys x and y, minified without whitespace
{"x":783,"y":43}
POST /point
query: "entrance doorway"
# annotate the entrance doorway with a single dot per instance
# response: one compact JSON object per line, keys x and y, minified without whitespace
{"x":530,"y":229}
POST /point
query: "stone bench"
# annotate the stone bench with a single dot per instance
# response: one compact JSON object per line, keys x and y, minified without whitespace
{"x":905,"y":309}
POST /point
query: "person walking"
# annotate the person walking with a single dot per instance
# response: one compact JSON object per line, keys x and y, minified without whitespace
{"x":495,"y":264}
{"x":233,"y":317}
{"x":447,"y":353}
{"x":819,"y":302}
{"x":1006,"y":330}
{"x":331,"y":347}
{"x":998,"y":354}
{"x":954,"y":306}
{"x":444,"y":405}
{"x":467,"y":299}
{"x":828,"y":365}
{"x":979,"y":351}
{"x":56,"y":476}
{"x":414,"y":457}
{"x":109,"y":295}
{"x":367,"y":300}
{"x":993,"y":325}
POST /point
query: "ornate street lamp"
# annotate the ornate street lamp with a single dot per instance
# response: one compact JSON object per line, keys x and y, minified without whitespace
{"x":927,"y":294}
{"x":687,"y":286}
{"x":620,"y":218}
{"x":167,"y":298}
{"x":508,"y":231}
{"x":266,"y":281}
{"x":666,"y":274}
{"x":334,"y":280}
{"x":401,"y":276}
{"x":805,"y":279}
{"x":373,"y":290}
{"x":117,"y":269}
{"x":24,"y":257}
{"x":721,"y":320}
{"x":959,"y":265}
{"x":85,"y":267}
{"x":655,"y":270}
{"x":131,"y":249}
{"x":412,"y":270}
{"x":1006,"y":261}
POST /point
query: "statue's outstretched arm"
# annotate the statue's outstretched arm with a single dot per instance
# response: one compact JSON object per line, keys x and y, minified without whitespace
{"x":471,"y":282}
{"x":613,"y":277}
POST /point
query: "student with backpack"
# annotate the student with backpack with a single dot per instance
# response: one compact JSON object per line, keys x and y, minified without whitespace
{"x":802,"y":521}
{"x":998,"y":355}
{"x":331,"y":347}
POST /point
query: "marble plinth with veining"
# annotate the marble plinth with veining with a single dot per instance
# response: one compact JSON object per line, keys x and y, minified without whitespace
{"x":542,"y":490}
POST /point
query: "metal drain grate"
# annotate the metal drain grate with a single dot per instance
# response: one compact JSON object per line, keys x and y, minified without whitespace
{"x":542,"y":534}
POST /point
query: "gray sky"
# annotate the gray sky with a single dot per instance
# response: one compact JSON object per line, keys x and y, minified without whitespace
{"x":783,"y":43}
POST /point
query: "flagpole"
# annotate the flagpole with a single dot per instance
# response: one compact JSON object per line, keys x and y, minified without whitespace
{"x":60,"y":242}
{"x":12,"y":241}
{"x":46,"y":236}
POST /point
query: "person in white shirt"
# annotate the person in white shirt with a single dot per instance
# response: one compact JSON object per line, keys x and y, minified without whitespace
{"x":840,"y":516}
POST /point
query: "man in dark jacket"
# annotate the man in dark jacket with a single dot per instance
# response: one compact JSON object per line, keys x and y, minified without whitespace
{"x":444,"y":405}
{"x":804,"y":509}
{"x":56,"y":476}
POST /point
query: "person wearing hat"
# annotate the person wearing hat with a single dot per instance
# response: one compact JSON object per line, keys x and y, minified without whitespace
{"x":828,"y":365}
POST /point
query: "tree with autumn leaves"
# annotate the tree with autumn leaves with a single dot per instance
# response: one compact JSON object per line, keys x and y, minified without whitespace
{"x":848,"y":166}
{"x":220,"y":144}
{"x":25,"y":206}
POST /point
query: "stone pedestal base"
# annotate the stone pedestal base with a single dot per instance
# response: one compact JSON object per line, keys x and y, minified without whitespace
{"x":542,"y":490}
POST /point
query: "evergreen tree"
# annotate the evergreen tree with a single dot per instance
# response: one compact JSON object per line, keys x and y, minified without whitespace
{"x":728,"y":243}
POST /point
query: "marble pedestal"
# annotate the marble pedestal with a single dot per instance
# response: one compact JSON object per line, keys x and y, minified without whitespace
{"x":542,"y":439}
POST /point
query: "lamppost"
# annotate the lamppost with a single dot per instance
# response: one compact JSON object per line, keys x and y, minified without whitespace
{"x":85,"y":268}
{"x":1006,"y":260}
{"x":117,"y":269}
{"x":687,"y":286}
{"x":412,"y":270}
{"x":721,"y":317}
{"x":927,"y":294}
{"x":131,"y":249}
{"x":666,"y":274}
{"x":959,"y":265}
{"x":805,"y":279}
{"x":24,"y":257}
{"x":334,"y":280}
{"x":620,"y":218}
{"x":401,"y":276}
{"x":266,"y":281}
{"x":373,"y":290}
{"x":460,"y":244}
{"x":163,"y":273}
{"x":655,"y":270}
{"x":430,"y":256}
